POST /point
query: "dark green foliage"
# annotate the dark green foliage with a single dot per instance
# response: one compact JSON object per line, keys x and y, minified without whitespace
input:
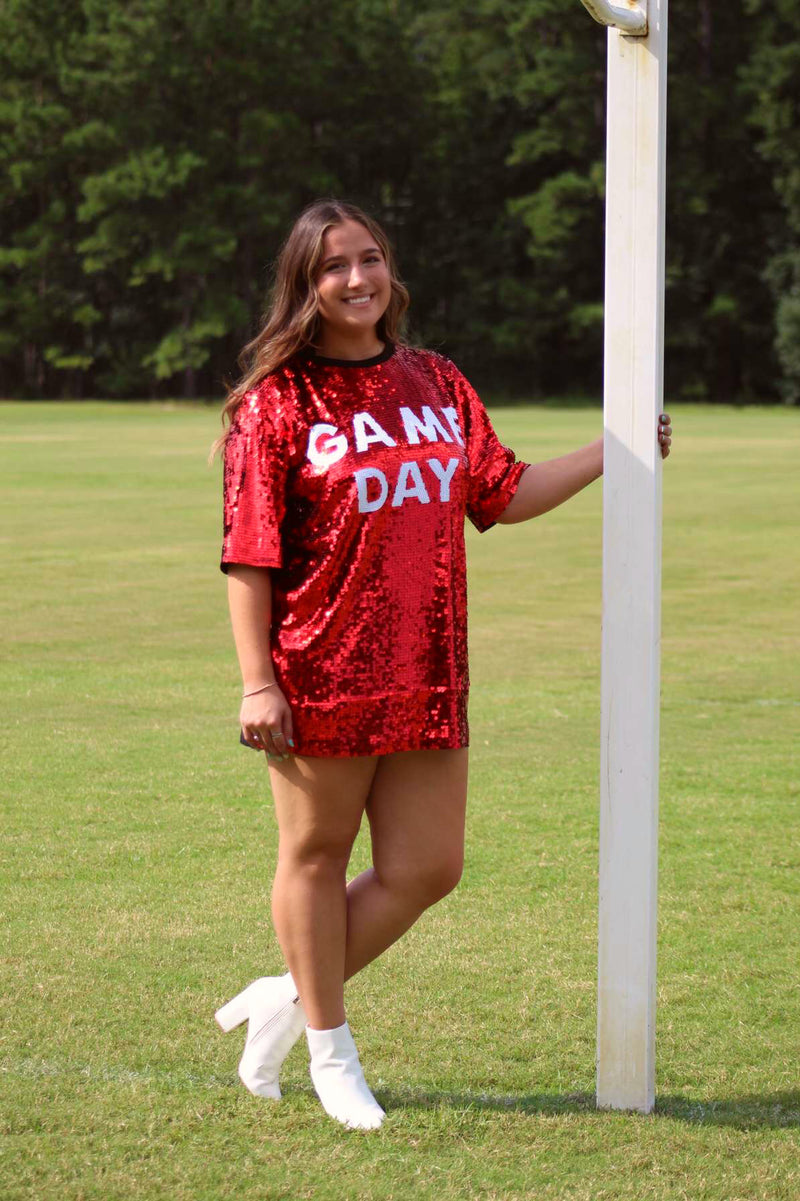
{"x":773,"y":79}
{"x":519,"y":199}
{"x":177,"y":140}
{"x":720,"y":211}
{"x":154,"y":153}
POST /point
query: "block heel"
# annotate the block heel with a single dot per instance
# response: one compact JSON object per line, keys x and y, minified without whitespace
{"x":275,"y":1020}
{"x":235,"y":1012}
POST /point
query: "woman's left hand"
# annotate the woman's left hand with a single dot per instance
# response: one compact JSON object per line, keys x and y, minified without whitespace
{"x":664,"y":434}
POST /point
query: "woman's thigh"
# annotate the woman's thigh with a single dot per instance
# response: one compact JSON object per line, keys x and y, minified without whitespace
{"x":416,"y":810}
{"x":319,"y":803}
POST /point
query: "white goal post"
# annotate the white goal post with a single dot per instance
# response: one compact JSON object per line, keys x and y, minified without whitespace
{"x":633,"y":398}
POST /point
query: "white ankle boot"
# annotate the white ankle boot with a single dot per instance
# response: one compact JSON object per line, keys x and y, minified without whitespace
{"x":339,"y":1080}
{"x":275,"y":1020}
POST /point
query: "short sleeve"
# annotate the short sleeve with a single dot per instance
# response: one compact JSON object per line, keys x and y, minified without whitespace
{"x":257,"y":460}
{"x":494,"y":471}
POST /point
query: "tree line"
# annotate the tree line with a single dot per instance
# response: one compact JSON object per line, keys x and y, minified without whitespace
{"x":154,"y":153}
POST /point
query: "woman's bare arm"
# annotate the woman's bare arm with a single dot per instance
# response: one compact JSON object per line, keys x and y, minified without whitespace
{"x":543,"y":486}
{"x":265,"y":717}
{"x":250,"y":604}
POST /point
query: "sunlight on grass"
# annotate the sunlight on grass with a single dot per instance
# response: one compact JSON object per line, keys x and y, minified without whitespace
{"x":139,"y":845}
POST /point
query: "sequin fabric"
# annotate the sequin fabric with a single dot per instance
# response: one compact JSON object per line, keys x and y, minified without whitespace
{"x":351,"y":482}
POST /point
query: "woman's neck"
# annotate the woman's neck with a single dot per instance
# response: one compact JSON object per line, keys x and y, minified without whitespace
{"x":334,"y":346}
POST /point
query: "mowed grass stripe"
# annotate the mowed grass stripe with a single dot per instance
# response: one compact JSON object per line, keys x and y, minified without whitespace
{"x":139,"y":845}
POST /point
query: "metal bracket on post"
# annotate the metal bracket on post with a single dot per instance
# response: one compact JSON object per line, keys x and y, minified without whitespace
{"x":631,"y":21}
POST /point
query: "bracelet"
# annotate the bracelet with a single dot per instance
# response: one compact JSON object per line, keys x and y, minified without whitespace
{"x":263,"y":688}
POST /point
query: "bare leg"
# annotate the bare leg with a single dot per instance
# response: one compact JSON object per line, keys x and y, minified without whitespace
{"x":415,"y":803}
{"x":416,"y":811}
{"x":319,"y":804}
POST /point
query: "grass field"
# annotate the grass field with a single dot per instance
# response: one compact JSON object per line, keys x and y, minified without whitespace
{"x":139,"y":841}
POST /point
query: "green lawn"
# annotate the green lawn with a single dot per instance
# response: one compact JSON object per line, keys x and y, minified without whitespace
{"x":139,"y":842}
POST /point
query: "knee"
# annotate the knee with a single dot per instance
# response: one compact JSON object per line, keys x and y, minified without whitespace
{"x":427,"y":883}
{"x":316,"y":859}
{"x":434,"y":881}
{"x":449,"y":877}
{"x":445,"y":880}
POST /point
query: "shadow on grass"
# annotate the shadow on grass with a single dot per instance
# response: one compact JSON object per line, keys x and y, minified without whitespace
{"x":774,"y":1110}
{"x":753,"y":1112}
{"x":779,"y":1110}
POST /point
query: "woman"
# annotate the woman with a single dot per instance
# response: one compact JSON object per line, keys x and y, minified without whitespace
{"x":350,"y":463}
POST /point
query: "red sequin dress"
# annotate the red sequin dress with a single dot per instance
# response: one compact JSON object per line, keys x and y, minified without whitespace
{"x":350,"y":481}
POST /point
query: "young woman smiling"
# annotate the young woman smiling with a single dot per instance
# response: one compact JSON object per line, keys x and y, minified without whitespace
{"x":351,"y":461}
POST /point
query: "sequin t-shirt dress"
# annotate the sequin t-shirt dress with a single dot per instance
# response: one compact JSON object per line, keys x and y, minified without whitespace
{"x":351,"y":481}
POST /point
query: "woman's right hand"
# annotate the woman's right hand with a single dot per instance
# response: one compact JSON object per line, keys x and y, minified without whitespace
{"x":266,"y":722}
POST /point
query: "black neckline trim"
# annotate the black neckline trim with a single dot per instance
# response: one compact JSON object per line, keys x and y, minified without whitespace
{"x":385,"y":354}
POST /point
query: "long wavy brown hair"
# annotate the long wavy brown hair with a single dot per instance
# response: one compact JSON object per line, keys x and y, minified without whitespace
{"x":291,"y":322}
